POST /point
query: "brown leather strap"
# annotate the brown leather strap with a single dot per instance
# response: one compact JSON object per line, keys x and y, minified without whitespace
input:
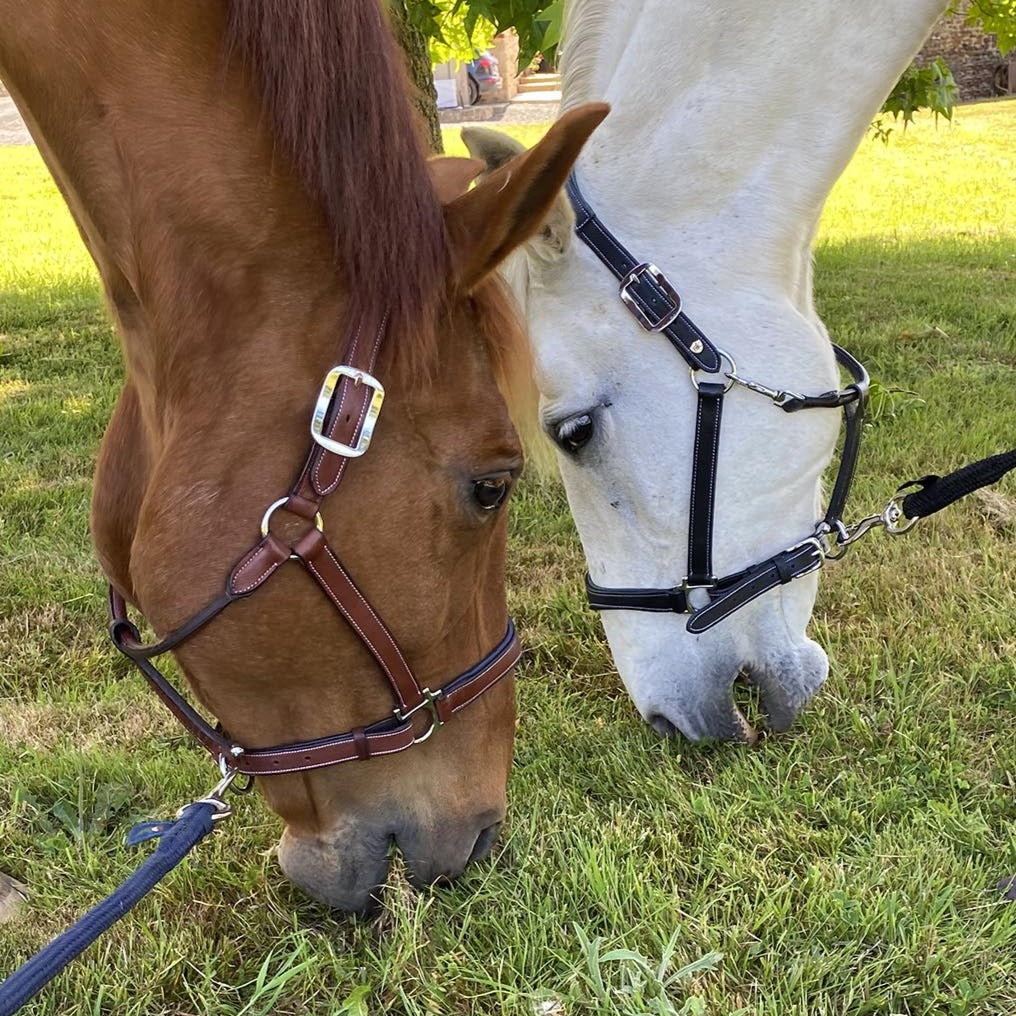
{"x":386,"y":737}
{"x":321,"y":474}
{"x":257,"y":565}
{"x":314,"y":552}
{"x":458,"y":694}
{"x":357,"y":745}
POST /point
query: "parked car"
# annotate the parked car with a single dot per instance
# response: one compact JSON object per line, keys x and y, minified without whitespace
{"x":483,"y":76}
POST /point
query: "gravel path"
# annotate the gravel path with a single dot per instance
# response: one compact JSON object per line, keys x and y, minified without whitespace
{"x":538,"y":107}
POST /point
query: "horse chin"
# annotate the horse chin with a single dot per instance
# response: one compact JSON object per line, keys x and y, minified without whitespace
{"x":689,"y":686}
{"x":345,"y":870}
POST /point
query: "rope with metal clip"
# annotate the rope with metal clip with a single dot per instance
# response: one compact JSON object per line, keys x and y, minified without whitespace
{"x":932,"y":494}
{"x":176,"y":840}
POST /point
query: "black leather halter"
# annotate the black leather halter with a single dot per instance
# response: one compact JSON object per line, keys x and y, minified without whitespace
{"x":656,"y":305}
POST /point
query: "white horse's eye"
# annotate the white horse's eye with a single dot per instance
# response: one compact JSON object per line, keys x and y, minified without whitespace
{"x":574,"y":433}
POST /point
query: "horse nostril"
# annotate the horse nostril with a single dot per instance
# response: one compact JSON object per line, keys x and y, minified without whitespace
{"x":662,"y":725}
{"x":484,"y":842}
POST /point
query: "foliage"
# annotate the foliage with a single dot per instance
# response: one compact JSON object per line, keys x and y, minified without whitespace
{"x":623,"y":982}
{"x":456,"y":27}
{"x":997,"y":16}
{"x":444,"y":23}
{"x":931,"y":88}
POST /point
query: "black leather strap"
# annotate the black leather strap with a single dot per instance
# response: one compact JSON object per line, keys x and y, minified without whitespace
{"x":703,"y":484}
{"x":730,"y":592}
{"x":656,"y":300}
{"x":777,"y":570}
{"x":727,"y":594}
{"x":660,"y":601}
{"x":854,"y":401}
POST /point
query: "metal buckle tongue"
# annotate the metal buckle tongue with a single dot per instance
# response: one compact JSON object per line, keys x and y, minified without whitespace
{"x":324,"y":400}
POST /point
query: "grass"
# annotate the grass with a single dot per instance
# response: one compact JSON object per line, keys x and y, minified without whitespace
{"x":844,"y":868}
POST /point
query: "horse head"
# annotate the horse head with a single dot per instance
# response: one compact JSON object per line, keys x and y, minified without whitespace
{"x":292,"y":282}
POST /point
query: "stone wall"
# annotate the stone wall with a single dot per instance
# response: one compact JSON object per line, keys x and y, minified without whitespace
{"x":506,"y":50}
{"x":971,"y":54}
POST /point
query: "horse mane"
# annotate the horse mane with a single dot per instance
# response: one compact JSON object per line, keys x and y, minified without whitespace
{"x":334,"y":87}
{"x":583,"y":25}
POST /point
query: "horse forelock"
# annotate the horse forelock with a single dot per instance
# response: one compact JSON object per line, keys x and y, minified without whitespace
{"x":334,"y":88}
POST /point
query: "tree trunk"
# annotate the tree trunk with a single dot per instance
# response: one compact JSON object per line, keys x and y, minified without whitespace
{"x":421,"y":74}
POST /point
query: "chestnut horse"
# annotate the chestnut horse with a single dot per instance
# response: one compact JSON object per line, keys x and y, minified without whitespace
{"x":250,"y":182}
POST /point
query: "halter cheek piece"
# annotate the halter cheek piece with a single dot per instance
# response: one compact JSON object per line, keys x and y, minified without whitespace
{"x":656,"y":305}
{"x":342,"y":423}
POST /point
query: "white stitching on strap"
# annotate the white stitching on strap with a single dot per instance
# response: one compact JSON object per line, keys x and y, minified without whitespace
{"x":248,"y":561}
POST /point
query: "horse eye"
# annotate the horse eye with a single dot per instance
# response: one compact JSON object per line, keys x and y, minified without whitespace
{"x":491,"y":491}
{"x":575,"y":432}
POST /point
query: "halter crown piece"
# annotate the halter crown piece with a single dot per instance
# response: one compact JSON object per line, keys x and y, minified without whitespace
{"x":341,"y":427}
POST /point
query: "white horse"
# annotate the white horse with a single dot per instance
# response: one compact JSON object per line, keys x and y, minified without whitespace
{"x":730,"y":123}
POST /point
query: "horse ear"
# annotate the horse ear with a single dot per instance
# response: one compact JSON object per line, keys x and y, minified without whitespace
{"x":511,"y":203}
{"x":452,"y":176}
{"x":495,"y":149}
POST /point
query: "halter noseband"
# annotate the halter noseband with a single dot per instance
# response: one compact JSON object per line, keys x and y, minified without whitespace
{"x":656,"y":305}
{"x":341,"y":427}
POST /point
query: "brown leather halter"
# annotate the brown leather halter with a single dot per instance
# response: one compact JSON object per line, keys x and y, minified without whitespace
{"x":341,"y":426}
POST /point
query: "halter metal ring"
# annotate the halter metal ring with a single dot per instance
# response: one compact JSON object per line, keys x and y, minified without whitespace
{"x":730,"y":375}
{"x":319,"y":523}
{"x":429,"y":702}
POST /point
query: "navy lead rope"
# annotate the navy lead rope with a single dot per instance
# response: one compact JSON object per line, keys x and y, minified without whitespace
{"x":176,"y":840}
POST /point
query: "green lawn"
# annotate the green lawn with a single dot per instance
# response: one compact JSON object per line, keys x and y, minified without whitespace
{"x":844,"y":868}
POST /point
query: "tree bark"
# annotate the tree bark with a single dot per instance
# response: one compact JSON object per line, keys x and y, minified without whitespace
{"x":421,"y":74}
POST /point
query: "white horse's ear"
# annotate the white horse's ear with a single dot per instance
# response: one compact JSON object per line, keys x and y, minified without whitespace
{"x":511,"y":204}
{"x":496,"y":149}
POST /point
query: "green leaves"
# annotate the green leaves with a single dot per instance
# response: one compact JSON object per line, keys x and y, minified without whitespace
{"x":932,"y":88}
{"x":455,"y":28}
{"x":997,"y":16}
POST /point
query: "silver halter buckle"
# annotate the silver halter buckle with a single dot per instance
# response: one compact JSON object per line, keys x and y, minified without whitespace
{"x":661,"y":280}
{"x":324,"y":400}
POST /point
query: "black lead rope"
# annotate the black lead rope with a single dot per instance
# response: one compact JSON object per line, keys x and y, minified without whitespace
{"x":938,"y":492}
